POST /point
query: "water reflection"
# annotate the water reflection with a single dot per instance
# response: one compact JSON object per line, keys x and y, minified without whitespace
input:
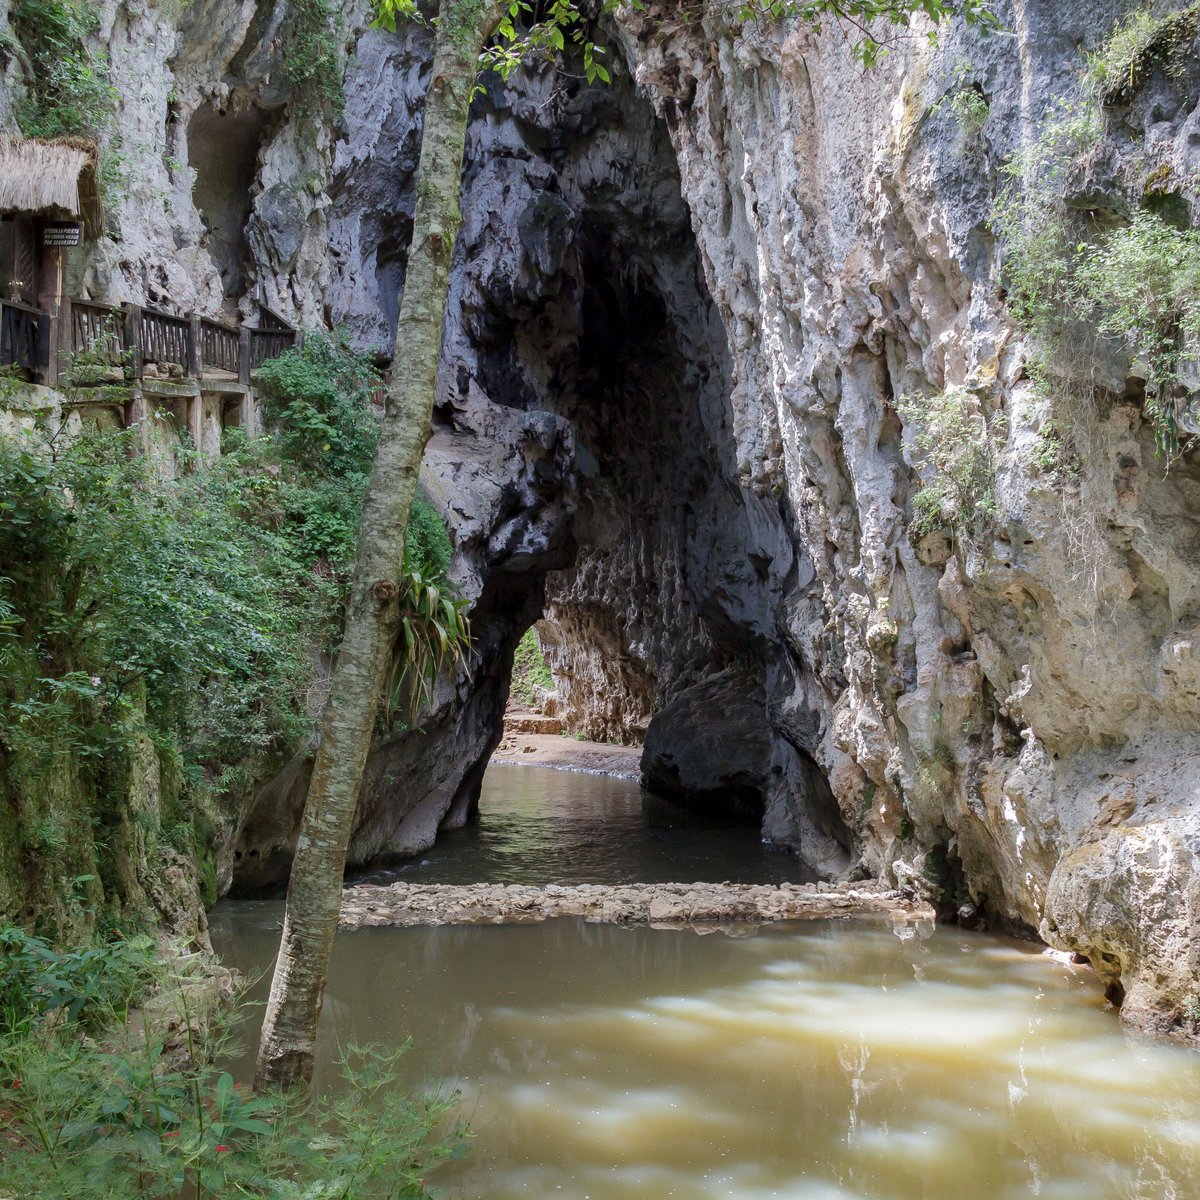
{"x":537,"y":825}
{"x":809,"y":1062}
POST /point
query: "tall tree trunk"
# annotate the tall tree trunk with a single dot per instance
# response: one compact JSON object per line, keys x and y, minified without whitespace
{"x":285,"y":1054}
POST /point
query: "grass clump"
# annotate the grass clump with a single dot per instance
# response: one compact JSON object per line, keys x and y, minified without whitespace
{"x":96,"y":1106}
{"x":531,"y":677}
{"x":1142,"y":41}
{"x":953,"y":441}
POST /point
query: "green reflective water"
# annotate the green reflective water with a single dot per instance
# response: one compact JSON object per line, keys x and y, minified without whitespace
{"x":819,"y":1061}
{"x":539,"y":825}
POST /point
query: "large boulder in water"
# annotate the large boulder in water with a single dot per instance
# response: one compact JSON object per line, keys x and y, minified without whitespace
{"x":711,"y":746}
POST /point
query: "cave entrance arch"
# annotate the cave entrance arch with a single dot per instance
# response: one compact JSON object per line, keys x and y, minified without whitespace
{"x":223,"y":144}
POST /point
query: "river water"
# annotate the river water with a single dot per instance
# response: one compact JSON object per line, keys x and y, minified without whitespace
{"x":813,"y":1061}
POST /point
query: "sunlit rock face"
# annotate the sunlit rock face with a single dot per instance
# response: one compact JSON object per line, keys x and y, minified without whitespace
{"x":1015,"y":727}
{"x":682,"y":317}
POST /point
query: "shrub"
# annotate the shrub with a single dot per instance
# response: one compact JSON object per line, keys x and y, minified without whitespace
{"x":316,"y":399}
{"x":91,"y":986}
{"x":1141,"y":283}
{"x":954,"y":445}
{"x":122,"y":1113}
{"x":970,"y":110}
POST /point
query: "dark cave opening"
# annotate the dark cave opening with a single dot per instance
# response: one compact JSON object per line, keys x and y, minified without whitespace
{"x":223,"y":148}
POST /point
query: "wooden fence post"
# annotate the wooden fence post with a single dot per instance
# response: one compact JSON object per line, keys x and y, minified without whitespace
{"x":245,"y":354}
{"x":195,"y":347}
{"x":63,"y":341}
{"x":133,"y":338}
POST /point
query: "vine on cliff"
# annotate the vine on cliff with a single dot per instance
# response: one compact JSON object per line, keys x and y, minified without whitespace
{"x":314,"y":60}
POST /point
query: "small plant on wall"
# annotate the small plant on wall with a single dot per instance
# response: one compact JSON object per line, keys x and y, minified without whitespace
{"x":954,"y":451}
{"x":1092,"y":276}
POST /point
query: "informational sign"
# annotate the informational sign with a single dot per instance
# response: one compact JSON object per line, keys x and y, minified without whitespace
{"x":62,"y":233}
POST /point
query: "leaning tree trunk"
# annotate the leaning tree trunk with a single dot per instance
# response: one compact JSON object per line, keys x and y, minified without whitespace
{"x":285,"y":1054}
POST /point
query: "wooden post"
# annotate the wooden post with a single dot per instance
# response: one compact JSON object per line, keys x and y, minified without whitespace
{"x":195,"y":422}
{"x":194,"y":365}
{"x":64,"y":341}
{"x":133,"y":337}
{"x":245,"y":354}
{"x":135,"y":412}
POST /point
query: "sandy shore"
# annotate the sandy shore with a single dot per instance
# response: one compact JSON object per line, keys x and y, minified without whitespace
{"x":567,"y":754}
{"x":673,"y":904}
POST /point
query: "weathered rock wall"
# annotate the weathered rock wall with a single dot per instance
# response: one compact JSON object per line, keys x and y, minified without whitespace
{"x":669,"y":425}
{"x":1014,"y":725}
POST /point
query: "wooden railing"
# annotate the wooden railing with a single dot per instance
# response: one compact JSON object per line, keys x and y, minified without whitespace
{"x":180,"y":346}
{"x":165,"y":339}
{"x":98,"y":329}
{"x":269,"y":343}
{"x":220,"y":346}
{"x":25,"y":338}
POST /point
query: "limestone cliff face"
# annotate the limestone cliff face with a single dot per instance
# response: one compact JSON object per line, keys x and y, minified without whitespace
{"x":1017,"y":721}
{"x":684,"y":314}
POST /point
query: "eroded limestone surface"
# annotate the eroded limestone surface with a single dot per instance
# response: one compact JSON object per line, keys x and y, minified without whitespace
{"x":683,"y":314}
{"x":625,"y":904}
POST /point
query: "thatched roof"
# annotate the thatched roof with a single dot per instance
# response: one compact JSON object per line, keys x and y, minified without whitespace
{"x":55,"y":177}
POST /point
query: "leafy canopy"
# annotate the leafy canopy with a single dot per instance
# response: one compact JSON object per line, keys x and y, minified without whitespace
{"x":525,"y":28}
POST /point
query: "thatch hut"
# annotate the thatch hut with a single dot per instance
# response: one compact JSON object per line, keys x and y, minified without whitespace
{"x":53,"y":179}
{"x":49,"y":201}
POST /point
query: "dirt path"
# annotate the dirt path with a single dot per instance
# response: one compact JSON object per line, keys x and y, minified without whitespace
{"x":567,"y":754}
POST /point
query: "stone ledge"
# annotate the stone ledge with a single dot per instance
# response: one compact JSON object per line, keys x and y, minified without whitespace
{"x":404,"y":904}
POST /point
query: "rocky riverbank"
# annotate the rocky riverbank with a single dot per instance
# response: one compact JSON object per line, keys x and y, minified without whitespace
{"x":701,"y":904}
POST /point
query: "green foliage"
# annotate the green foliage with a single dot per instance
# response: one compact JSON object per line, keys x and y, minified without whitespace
{"x":527,"y":29}
{"x":190,"y":591}
{"x":88,"y":985}
{"x":531,"y":677}
{"x":121,"y":1113}
{"x":1127,"y":274}
{"x":954,"y":446}
{"x":427,"y":547}
{"x":1141,"y":284}
{"x":68,"y":92}
{"x":969,"y":109}
{"x":1145,"y":39}
{"x":143,"y":617}
{"x":434,"y":636}
{"x":314,"y":59}
{"x":317,"y":401}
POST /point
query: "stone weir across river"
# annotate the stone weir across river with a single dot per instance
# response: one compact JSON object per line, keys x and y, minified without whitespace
{"x":701,"y":904}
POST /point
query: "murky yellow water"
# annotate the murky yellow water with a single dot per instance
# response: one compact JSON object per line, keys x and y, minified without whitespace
{"x":808,"y":1062}
{"x":822,"y":1061}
